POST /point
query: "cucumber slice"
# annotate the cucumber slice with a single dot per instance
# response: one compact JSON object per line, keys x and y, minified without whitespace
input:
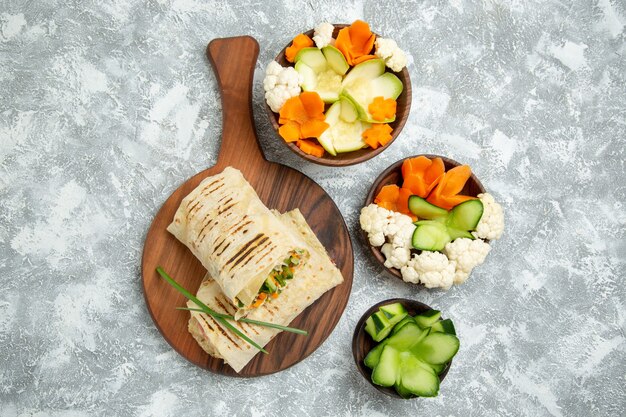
{"x":373,"y":357}
{"x":386,"y":372}
{"x":424,"y":210}
{"x":443,"y":326}
{"x":430,"y":235}
{"x":417,"y":378}
{"x":367,"y":81}
{"x":456,"y":234}
{"x":382,"y":326}
{"x":326,"y":138}
{"x":408,"y":336}
{"x":325,"y":82}
{"x":365,"y":71}
{"x":438,"y":368}
{"x":401,"y":323}
{"x":341,"y":136}
{"x":403,"y":392}
{"x":313,"y":58}
{"x":428,"y":318}
{"x":335,"y":59}
{"x":437,"y":348}
{"x":466,"y":215}
{"x":394,"y":312}
{"x":348,"y":111}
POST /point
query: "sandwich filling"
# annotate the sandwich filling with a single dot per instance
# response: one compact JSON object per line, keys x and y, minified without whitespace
{"x":277,"y":280}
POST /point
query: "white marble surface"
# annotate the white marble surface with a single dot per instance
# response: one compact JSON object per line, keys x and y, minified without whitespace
{"x":106,"y":107}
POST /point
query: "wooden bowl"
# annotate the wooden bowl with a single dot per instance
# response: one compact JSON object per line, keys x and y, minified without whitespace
{"x":362,"y":343}
{"x":393,"y":175}
{"x":355,"y":157}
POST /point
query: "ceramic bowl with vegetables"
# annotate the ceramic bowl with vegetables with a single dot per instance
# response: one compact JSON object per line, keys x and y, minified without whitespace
{"x":429,"y":221}
{"x":404,"y":348}
{"x":338,"y":95}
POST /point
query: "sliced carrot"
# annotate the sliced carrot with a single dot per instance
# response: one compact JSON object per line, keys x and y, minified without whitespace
{"x":403,"y":200}
{"x":290,"y":131}
{"x":378,"y":134}
{"x":435,"y":170}
{"x":312,"y":129}
{"x":421,"y":175}
{"x":382,"y":109}
{"x":389,"y":193}
{"x":310,"y":148}
{"x":414,"y":165}
{"x":299,"y":42}
{"x":313,"y":104}
{"x":388,"y":205}
{"x":356,"y":42}
{"x":446,"y":193}
{"x":454,"y":180}
{"x":293,"y":110}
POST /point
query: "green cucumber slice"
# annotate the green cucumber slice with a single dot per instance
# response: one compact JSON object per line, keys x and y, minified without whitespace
{"x":443,"y":326}
{"x":335,"y":59}
{"x":372,"y":358}
{"x":427,"y":318}
{"x":417,"y":378}
{"x":438,"y":368}
{"x":326,"y":138}
{"x":430,"y":235}
{"x":466,"y":215}
{"x":457,"y":234}
{"x":424,"y":210}
{"x":401,"y":323}
{"x":409,"y":335}
{"x":367,"y":81}
{"x":313,"y":58}
{"x":386,"y":372}
{"x":348,"y":111}
{"x":381,"y":326}
{"x":437,"y":348}
{"x":394,"y":312}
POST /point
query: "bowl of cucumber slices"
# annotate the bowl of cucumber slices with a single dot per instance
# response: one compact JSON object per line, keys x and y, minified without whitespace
{"x":347,"y":91}
{"x":404,"y":348}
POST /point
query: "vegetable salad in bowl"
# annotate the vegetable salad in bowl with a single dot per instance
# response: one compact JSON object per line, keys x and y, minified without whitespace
{"x":337,"y":95}
{"x":427,"y":231}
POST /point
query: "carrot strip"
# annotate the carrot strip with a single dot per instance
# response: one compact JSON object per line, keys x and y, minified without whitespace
{"x":299,"y":42}
{"x":356,"y":42}
{"x":310,"y":148}
{"x":388,"y":193}
{"x":312,"y":129}
{"x":290,"y":131}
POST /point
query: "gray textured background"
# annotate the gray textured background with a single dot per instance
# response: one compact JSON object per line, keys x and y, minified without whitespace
{"x":106,"y":108}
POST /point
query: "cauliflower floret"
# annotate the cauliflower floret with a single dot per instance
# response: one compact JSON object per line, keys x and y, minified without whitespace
{"x":280,"y":84}
{"x":394,"y":57}
{"x":396,"y":257}
{"x":491,"y":224}
{"x":374,"y":220}
{"x":396,"y":223}
{"x":467,"y":254}
{"x":433,"y":269}
{"x":402,"y":238}
{"x":323,"y":34}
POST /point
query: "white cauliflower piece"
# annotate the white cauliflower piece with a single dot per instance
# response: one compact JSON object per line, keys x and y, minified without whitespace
{"x":433,"y":269}
{"x":394,"y":57}
{"x":491,"y":224}
{"x":396,"y":223}
{"x":374,"y":220}
{"x":396,"y":257}
{"x":323,"y":34}
{"x":467,"y":254}
{"x":402,"y":238}
{"x":280,"y":84}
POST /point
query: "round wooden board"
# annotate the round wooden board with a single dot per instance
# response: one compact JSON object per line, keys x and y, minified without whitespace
{"x":279,"y":187}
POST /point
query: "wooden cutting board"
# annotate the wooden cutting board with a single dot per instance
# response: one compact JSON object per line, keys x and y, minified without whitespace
{"x":279,"y":187}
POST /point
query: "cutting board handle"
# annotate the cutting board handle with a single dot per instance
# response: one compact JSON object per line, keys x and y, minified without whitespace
{"x":233,"y":60}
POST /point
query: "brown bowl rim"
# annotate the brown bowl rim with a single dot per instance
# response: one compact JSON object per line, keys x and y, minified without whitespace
{"x":359,"y":331}
{"x":336,"y":161}
{"x":378,"y":255}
